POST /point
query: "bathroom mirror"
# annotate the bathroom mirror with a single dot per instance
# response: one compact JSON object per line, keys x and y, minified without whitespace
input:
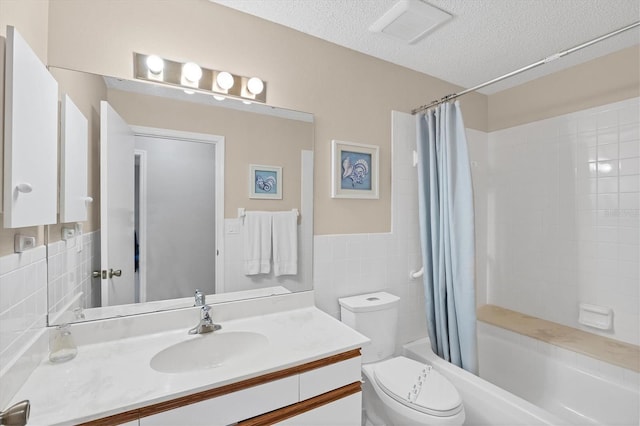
{"x":185,"y":176}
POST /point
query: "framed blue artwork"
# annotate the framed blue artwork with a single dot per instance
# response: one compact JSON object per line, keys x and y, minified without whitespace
{"x":354,"y":170}
{"x":265,"y":182}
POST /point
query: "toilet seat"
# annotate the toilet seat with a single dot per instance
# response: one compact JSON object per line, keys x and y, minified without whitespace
{"x":417,"y":386}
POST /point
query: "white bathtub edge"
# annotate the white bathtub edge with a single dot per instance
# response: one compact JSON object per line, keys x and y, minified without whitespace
{"x":510,"y":404}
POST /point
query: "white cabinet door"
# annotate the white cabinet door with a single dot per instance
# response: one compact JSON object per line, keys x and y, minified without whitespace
{"x":74,"y":141}
{"x":343,"y":412}
{"x":30,"y":137}
{"x":232,"y":407}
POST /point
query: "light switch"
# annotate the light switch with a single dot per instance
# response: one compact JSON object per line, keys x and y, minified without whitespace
{"x":232,"y":227}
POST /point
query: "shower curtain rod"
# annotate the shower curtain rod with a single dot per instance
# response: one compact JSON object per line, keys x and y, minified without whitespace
{"x":523,"y":69}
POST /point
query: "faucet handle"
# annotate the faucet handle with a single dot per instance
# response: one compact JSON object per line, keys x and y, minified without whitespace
{"x":205,"y":311}
{"x":199,"y":298}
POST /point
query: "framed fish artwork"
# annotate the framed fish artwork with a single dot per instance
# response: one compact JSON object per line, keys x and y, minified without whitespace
{"x":265,"y":182}
{"x":354,"y":170}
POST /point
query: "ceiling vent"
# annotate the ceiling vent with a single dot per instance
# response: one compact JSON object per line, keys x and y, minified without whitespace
{"x":410,"y":20}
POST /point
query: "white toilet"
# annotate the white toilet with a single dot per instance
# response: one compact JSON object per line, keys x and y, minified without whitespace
{"x":398,"y":391}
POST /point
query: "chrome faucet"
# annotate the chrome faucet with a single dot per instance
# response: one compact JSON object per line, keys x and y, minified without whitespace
{"x":200,"y":298}
{"x":206,"y":324}
{"x":17,"y":414}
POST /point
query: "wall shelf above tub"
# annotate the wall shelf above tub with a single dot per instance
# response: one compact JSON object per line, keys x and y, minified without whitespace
{"x":616,"y":352}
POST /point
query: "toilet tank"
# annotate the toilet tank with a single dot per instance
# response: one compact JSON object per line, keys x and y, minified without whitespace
{"x":376,"y":316}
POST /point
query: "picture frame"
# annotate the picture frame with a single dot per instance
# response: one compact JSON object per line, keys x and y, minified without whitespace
{"x":354,"y":170}
{"x":265,"y":182}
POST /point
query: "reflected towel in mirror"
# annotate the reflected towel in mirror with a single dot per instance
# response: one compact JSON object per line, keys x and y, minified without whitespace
{"x":285,"y":243}
{"x":257,"y":243}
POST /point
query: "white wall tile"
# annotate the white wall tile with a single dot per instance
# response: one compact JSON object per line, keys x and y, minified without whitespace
{"x":590,"y":198}
{"x":629,"y":166}
{"x":630,"y":149}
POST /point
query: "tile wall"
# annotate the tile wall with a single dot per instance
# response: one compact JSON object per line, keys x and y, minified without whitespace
{"x":564,"y":217}
{"x":71,"y":263}
{"x":23,"y":301}
{"x":346,"y":265}
{"x":23,"y":308}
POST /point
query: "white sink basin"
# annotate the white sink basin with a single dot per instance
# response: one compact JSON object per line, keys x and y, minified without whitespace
{"x":209,"y":350}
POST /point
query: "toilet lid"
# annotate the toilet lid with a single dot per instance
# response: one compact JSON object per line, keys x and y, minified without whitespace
{"x":418,"y":386}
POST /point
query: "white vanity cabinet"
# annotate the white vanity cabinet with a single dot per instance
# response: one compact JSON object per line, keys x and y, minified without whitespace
{"x":232,"y":407}
{"x":323,"y":392}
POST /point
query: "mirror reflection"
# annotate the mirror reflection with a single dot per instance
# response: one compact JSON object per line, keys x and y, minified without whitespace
{"x":169,"y":173}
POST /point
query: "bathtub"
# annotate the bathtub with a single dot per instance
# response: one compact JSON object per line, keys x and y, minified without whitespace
{"x":484,"y":402}
{"x":574,"y":387}
{"x":526,"y":382}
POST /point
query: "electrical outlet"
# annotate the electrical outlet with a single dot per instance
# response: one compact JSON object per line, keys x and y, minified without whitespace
{"x":23,"y":243}
{"x":68,"y":233}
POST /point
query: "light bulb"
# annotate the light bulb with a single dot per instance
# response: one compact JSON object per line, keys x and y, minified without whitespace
{"x":224,"y":80}
{"x":255,"y":85}
{"x":155,"y":64}
{"x":192,"y":72}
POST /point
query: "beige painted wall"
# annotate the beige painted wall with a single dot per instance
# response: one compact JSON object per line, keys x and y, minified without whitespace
{"x":604,"y":80}
{"x":249,"y":139}
{"x":31,"y":18}
{"x":350,"y":94}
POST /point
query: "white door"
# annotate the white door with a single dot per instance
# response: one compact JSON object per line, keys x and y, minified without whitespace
{"x":116,"y":208}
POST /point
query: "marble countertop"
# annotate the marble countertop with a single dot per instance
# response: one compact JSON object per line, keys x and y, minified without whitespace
{"x":114,"y":376}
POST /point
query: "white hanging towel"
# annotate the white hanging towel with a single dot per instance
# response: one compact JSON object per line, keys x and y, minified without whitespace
{"x":285,"y":243}
{"x":256,"y":234}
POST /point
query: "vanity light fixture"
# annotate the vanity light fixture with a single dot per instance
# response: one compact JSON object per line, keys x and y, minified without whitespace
{"x":155,"y":64}
{"x":255,"y":86}
{"x":191,"y":77}
{"x":225,"y":80}
{"x":192,"y":72}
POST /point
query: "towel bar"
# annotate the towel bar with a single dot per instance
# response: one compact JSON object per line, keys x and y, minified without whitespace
{"x":242,"y":212}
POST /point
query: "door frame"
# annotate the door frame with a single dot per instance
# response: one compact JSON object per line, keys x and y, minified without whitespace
{"x":141,"y":206}
{"x":218,"y":142}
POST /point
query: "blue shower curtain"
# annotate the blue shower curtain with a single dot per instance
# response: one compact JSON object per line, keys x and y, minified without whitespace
{"x":447,"y":234}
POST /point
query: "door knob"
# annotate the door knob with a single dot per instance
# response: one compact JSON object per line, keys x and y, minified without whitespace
{"x":98,"y":274}
{"x":116,"y":273}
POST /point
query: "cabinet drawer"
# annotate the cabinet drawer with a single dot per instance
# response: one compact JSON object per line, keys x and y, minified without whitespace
{"x":334,"y":376}
{"x":343,"y":412}
{"x":232,"y":407}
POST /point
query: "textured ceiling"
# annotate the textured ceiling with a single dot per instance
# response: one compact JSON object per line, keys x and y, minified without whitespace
{"x":485,"y":39}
